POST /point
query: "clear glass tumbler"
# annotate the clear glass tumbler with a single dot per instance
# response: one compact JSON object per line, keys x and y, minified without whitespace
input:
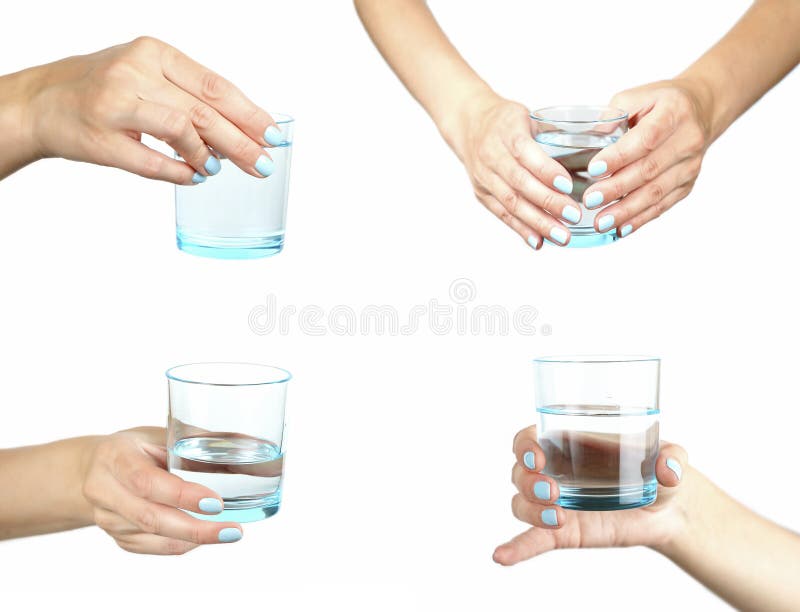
{"x":225,"y":432}
{"x":233,"y":215}
{"x":598,"y":427}
{"x":573,"y":135}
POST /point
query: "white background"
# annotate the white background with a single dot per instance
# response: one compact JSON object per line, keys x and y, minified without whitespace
{"x":397,"y":488}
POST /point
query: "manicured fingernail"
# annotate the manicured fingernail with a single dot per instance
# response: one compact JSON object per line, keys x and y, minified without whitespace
{"x":596,"y":168}
{"x":273,"y":136}
{"x":594,"y":199}
{"x":212,"y":165}
{"x":533,"y":242}
{"x":529,"y":459}
{"x":571,"y":214}
{"x":604,"y":222}
{"x":549,"y":517}
{"x":626,"y":229}
{"x":230,"y":534}
{"x":542,"y":489}
{"x":563,"y":184}
{"x":675,"y":467}
{"x":198,"y":178}
{"x":265,"y":166}
{"x":210,"y":504}
{"x":559,"y":234}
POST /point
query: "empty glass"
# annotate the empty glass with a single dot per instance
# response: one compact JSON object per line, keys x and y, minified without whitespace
{"x":225,"y":432}
{"x":573,"y":135}
{"x":233,"y":215}
{"x":598,"y":427}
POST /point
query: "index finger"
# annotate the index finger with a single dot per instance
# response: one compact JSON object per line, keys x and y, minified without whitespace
{"x":222,"y":95}
{"x":157,"y":485}
{"x":527,"y":449}
{"x":645,"y":137}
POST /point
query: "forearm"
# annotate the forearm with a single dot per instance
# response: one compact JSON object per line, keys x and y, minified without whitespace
{"x":762,"y":48}
{"x":747,"y":560}
{"x":42,"y":487}
{"x":433,"y":71}
{"x":16,"y":124}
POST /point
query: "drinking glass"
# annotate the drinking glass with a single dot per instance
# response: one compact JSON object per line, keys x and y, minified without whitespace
{"x":598,"y":428}
{"x":225,"y":432}
{"x":234,"y":215}
{"x":573,"y":135}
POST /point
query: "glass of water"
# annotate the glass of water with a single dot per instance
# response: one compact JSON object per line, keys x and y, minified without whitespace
{"x":233,"y":215}
{"x":225,"y":432}
{"x":573,"y":135}
{"x":598,"y":428}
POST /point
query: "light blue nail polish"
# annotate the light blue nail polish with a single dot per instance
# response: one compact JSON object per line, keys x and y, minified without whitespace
{"x":198,"y":178}
{"x":594,"y":199}
{"x":529,"y":459}
{"x":533,"y":242}
{"x":230,"y":534}
{"x":265,"y":166}
{"x":273,"y":136}
{"x":604,"y":222}
{"x":675,"y":467}
{"x":212,"y":165}
{"x":542,"y":489}
{"x":559,"y":234}
{"x":571,"y":214}
{"x":596,"y":168}
{"x":210,"y":504}
{"x":563,"y":184}
{"x":549,"y":517}
{"x":626,"y":229}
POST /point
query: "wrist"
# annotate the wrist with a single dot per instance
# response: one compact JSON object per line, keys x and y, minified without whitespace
{"x":457,"y":119}
{"x":85,"y":457}
{"x":17,"y":119}
{"x":710,"y":102}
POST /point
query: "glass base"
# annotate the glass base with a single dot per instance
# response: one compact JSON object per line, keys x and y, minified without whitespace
{"x":230,"y":248}
{"x":623,"y":498}
{"x":587,"y":237}
{"x":238,"y":513}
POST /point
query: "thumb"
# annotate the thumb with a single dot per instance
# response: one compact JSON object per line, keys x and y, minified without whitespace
{"x":636,"y":102}
{"x":671,"y":463}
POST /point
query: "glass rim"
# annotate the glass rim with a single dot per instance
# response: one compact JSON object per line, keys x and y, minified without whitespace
{"x":282,"y":118}
{"x":285,"y":375}
{"x":537,"y":114}
{"x":596,"y":359}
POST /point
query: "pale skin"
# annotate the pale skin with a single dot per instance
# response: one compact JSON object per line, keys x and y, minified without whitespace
{"x":747,"y":560}
{"x":94,"y":108}
{"x":117,"y":482}
{"x":648,"y":170}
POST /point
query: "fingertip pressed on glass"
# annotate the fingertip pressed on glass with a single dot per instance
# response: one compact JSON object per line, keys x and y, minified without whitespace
{"x":234,"y":215}
{"x":598,"y":428}
{"x":573,"y":135}
{"x":226,"y":432}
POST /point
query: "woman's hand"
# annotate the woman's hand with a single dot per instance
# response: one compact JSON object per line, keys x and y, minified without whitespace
{"x":95,"y":108}
{"x":136,"y":501}
{"x":511,"y":175}
{"x":656,"y":163}
{"x":554,"y":527}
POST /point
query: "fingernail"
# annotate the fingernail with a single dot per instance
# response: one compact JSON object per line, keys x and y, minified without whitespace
{"x":212,"y":165}
{"x":533,"y":242}
{"x":571,"y":214}
{"x":626,"y":229}
{"x":542,"y":489}
{"x":559,"y":234}
{"x":675,"y":467}
{"x":273,"y":136}
{"x":210,"y":504}
{"x":198,"y":178}
{"x":230,"y":534}
{"x":265,"y":165}
{"x":549,"y":517}
{"x":594,"y":199}
{"x":563,"y":184}
{"x":596,"y":168}
{"x":529,"y":459}
{"x":604,"y":222}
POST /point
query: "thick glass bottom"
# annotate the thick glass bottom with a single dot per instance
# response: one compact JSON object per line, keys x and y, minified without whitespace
{"x":245,"y":511}
{"x":606,"y":498}
{"x":587,"y":237}
{"x":230,"y":248}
